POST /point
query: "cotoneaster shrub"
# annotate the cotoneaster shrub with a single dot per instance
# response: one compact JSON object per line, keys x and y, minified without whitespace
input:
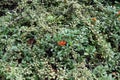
{"x":60,"y":40}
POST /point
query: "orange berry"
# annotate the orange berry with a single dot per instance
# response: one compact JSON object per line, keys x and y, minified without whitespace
{"x":62,"y":43}
{"x":94,"y":19}
{"x":118,"y":13}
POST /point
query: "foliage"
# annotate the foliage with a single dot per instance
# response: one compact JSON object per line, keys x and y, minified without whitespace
{"x":59,"y":40}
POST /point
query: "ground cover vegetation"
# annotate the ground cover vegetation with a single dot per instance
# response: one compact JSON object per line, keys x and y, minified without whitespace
{"x":59,"y":40}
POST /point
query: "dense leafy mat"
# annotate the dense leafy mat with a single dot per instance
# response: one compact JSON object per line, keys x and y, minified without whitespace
{"x":59,"y":40}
